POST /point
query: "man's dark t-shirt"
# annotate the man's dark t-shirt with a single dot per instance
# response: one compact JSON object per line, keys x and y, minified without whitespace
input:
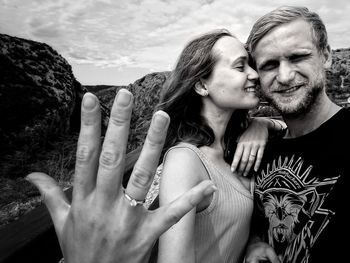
{"x":302,"y":193}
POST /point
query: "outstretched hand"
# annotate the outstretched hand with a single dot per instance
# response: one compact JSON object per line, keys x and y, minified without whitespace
{"x":102,"y":224}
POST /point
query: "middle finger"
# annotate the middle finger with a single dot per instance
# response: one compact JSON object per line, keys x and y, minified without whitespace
{"x":112,"y":158}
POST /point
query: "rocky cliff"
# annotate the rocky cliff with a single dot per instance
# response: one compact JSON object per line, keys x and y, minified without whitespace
{"x":146,"y":95}
{"x":39,"y":105}
{"x":38,"y":94}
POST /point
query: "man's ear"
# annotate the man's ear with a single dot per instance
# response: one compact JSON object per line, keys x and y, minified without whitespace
{"x":200,"y":88}
{"x":327,"y":54}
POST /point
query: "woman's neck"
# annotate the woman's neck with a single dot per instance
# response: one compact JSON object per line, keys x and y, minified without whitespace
{"x":217,"y":120}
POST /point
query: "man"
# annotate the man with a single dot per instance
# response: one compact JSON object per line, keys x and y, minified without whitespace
{"x":301,"y":186}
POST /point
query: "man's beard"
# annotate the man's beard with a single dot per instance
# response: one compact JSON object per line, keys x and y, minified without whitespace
{"x":313,"y":90}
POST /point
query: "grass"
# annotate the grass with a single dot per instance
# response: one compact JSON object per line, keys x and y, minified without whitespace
{"x":18,"y":196}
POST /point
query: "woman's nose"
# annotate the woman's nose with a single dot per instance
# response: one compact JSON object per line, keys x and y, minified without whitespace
{"x":252,"y":74}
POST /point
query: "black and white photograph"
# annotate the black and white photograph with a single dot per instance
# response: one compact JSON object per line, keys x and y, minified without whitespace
{"x":159,"y":131}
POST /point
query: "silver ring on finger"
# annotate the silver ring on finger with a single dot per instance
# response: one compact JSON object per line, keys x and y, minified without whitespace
{"x":133,"y":202}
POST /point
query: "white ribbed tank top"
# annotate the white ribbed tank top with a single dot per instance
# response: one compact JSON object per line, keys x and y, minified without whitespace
{"x":222,"y":229}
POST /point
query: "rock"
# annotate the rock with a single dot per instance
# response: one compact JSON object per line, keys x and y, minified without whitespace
{"x":38,"y":95}
{"x":146,"y":92}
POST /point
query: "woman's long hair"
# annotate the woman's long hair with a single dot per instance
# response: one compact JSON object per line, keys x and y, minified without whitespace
{"x":180,"y":100}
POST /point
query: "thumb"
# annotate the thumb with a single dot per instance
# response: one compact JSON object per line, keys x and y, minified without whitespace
{"x":53,"y":197}
{"x":172,"y":213}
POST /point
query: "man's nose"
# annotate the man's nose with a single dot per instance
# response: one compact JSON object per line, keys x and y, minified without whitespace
{"x":286,"y":73}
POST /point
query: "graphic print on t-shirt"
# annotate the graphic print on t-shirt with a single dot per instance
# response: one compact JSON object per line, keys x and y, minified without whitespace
{"x":292,"y":198}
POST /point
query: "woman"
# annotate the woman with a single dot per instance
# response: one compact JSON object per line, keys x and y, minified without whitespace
{"x":207,"y":98}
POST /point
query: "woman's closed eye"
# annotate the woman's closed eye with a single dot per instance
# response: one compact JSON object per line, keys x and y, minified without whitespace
{"x":239,"y":67}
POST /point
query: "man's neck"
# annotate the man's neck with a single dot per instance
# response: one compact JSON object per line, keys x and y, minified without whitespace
{"x":322,"y":111}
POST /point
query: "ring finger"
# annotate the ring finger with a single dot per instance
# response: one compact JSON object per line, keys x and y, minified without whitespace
{"x":244,"y":159}
{"x":251,"y":159}
{"x":145,"y":167}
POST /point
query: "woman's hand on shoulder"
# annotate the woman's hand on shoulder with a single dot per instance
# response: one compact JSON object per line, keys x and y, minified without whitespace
{"x":250,"y":147}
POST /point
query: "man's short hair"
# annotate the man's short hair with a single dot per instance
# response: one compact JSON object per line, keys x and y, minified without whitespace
{"x":284,"y":15}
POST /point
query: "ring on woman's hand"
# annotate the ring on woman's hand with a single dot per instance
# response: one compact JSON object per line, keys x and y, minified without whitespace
{"x":253,"y":155}
{"x":133,"y":202}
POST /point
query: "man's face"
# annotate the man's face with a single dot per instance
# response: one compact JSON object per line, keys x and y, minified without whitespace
{"x":290,"y":68}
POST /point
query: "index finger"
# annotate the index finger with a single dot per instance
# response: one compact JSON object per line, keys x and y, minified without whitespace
{"x":169,"y":215}
{"x":88,"y":147}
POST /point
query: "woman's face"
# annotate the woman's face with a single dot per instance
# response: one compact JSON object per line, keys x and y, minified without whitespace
{"x":232,"y":84}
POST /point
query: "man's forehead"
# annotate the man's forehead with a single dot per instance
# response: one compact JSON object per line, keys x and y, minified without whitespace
{"x":284,"y":40}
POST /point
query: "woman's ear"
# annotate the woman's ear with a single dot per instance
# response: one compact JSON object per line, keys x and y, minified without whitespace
{"x":200,"y":88}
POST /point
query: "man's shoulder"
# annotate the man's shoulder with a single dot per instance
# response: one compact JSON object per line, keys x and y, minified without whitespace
{"x":346,"y":111}
{"x":342,"y":117}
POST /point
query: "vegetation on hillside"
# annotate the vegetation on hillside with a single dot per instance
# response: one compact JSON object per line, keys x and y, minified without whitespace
{"x":19,"y":196}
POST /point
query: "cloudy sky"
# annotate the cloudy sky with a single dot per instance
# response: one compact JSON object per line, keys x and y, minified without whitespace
{"x":116,"y":42}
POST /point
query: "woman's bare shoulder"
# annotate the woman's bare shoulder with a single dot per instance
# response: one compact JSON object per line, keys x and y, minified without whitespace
{"x":183,"y":166}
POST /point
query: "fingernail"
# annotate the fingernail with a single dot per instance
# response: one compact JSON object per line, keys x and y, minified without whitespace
{"x":161,"y":120}
{"x":89,"y":101}
{"x":210,"y":189}
{"x":32,"y":178}
{"x":233,"y":169}
{"x":27,"y":178}
{"x":124,"y":98}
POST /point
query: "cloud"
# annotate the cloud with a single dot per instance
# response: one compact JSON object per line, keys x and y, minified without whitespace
{"x":146,"y":34}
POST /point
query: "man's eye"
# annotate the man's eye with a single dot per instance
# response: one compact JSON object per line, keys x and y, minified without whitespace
{"x":299,"y":57}
{"x":268,"y":66}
